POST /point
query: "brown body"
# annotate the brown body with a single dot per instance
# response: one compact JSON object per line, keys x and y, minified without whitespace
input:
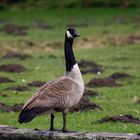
{"x":60,"y":94}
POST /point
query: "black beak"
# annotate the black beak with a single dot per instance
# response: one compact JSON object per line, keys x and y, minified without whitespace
{"x":76,"y":34}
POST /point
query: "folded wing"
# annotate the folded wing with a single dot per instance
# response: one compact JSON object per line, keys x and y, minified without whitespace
{"x":53,"y":95}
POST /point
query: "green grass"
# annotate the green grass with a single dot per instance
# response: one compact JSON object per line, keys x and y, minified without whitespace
{"x":114,"y":101}
{"x":97,"y":20}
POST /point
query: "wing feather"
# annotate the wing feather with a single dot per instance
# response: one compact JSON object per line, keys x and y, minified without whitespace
{"x":51,"y":94}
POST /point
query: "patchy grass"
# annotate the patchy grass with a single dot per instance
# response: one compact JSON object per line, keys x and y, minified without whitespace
{"x":91,"y":23}
{"x":112,"y":57}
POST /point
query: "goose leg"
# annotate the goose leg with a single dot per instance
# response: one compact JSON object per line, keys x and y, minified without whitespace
{"x":64,"y":122}
{"x":51,"y":123}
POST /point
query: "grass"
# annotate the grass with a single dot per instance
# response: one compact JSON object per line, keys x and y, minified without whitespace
{"x":97,"y":20}
{"x":117,"y":100}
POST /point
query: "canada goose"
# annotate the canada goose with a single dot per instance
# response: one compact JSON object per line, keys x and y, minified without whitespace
{"x":58,"y":95}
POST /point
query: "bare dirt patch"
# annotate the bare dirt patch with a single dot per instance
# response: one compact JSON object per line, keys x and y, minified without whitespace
{"x":103,"y":82}
{"x":89,"y":67}
{"x":124,"y":40}
{"x":15,"y":29}
{"x":119,"y":75}
{"x":121,"y":118}
{"x":109,"y":81}
{"x":120,"y":19}
{"x":20,"y":56}
{"x":36,"y":84}
{"x":42,"y":24}
{"x":7,"y":108}
{"x":90,"y":93}
{"x":13,"y":68}
{"x":5,"y":80}
{"x":53,"y":45}
{"x":18,"y":88}
{"x":84,"y":105}
{"x":3,"y":95}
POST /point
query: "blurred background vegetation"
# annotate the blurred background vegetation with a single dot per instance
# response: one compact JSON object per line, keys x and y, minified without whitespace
{"x":25,"y":4}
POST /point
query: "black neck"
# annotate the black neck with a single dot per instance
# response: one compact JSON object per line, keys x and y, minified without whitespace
{"x":69,"y":55}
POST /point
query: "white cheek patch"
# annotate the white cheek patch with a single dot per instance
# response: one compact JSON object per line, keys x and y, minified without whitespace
{"x":69,"y":35}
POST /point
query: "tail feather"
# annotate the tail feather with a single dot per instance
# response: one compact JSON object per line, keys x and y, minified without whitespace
{"x":28,"y":115}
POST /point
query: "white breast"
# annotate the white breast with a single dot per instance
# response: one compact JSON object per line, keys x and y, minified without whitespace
{"x":75,"y":74}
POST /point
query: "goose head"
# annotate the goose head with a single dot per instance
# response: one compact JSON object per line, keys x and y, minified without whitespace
{"x":71,"y":33}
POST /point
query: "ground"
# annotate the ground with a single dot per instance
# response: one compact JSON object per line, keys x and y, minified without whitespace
{"x":109,"y":38}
